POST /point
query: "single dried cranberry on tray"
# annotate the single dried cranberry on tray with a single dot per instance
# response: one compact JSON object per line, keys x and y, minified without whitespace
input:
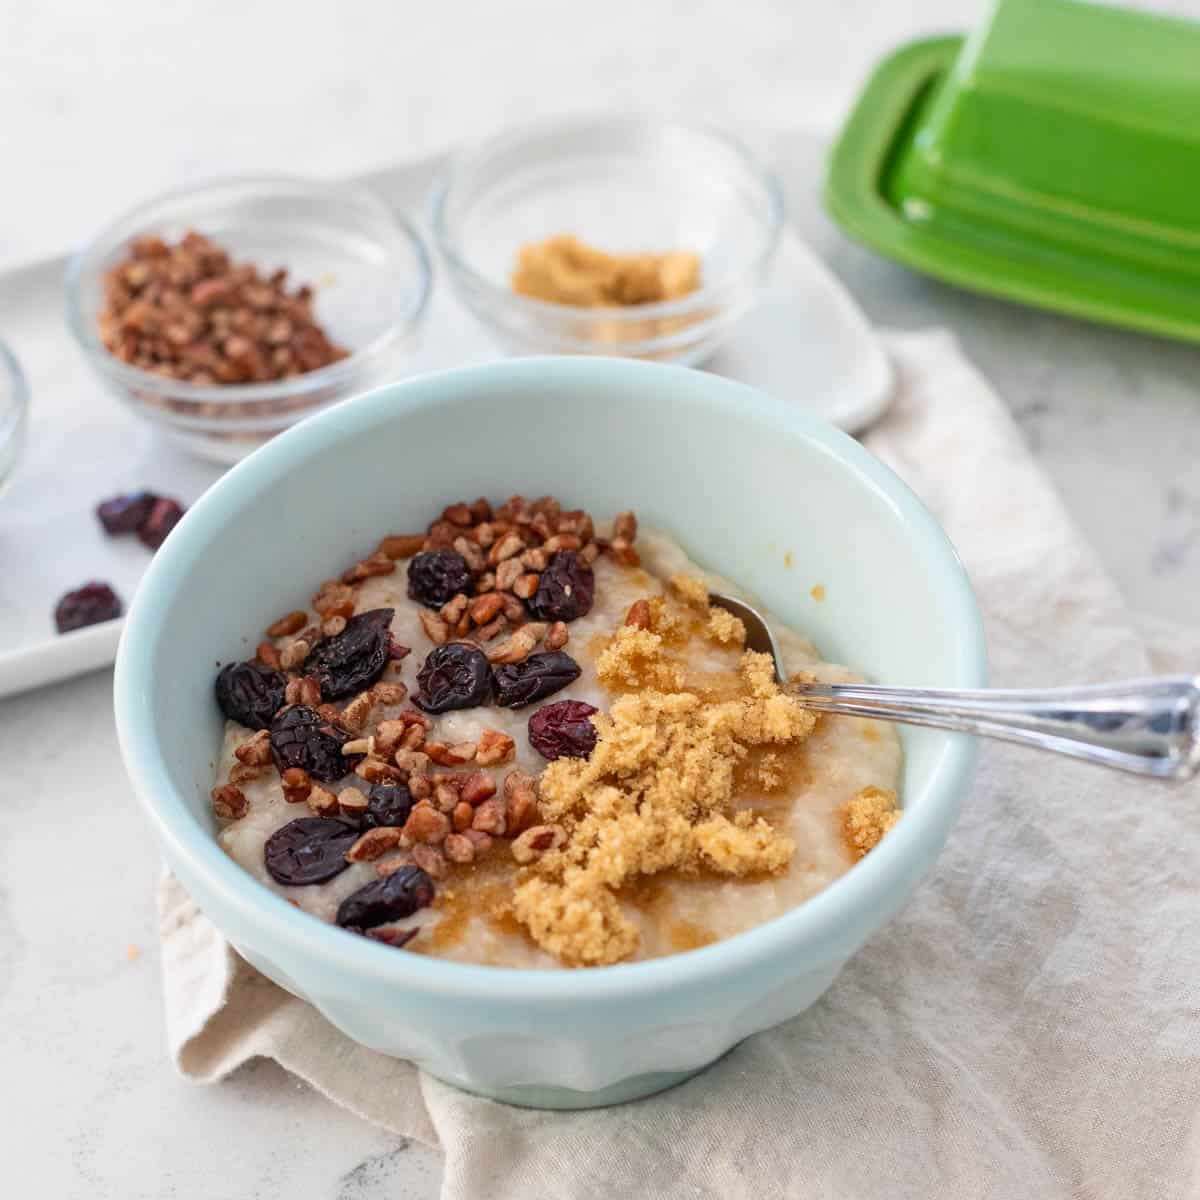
{"x":387,"y":804}
{"x":88,"y":605}
{"x":301,"y":737}
{"x":308,"y":850}
{"x":251,"y":694}
{"x":355,"y":658}
{"x":538,"y":676}
{"x":125,"y":513}
{"x":565,"y":590}
{"x":453,"y":676}
{"x":435,"y":576}
{"x":563,"y":730}
{"x":164,"y":515}
{"x":391,"y":898}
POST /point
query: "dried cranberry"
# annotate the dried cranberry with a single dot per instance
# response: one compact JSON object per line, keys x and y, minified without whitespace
{"x":308,"y":850}
{"x":387,"y":804}
{"x":563,"y":730}
{"x":125,"y":513}
{"x":164,"y":515}
{"x":88,"y":605}
{"x":251,"y":694}
{"x":391,"y":898}
{"x":301,"y":737}
{"x":435,"y":576}
{"x":539,"y":676}
{"x":565,"y":590}
{"x":453,"y":676}
{"x":355,"y":658}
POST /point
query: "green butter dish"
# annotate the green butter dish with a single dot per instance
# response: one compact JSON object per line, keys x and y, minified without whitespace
{"x":1051,"y":157}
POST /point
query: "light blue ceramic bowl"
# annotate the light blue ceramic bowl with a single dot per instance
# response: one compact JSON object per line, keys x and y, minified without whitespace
{"x":749,"y":485}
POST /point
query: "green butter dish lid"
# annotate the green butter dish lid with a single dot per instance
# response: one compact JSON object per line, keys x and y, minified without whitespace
{"x":1052,"y":157}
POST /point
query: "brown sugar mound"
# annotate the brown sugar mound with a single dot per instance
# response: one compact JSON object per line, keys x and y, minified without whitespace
{"x":565,"y":270}
{"x":867,"y":818}
{"x":656,"y":794}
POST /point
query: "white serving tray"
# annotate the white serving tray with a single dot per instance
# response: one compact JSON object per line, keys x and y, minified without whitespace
{"x":806,"y":342}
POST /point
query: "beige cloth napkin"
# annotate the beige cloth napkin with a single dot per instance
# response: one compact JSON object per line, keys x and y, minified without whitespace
{"x":1028,"y":1027}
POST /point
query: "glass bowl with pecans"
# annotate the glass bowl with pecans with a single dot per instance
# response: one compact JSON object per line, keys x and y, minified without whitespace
{"x":225,"y":312}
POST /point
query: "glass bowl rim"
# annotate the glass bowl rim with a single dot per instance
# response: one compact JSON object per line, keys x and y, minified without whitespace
{"x":332,"y":376}
{"x":704,"y":297}
{"x":17,"y":385}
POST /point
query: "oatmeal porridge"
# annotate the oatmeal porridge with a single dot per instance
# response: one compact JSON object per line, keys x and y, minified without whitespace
{"x":521,"y":740}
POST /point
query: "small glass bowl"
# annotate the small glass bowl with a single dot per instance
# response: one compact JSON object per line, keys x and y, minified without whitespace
{"x":623,"y":185}
{"x":14,"y":413}
{"x":369,"y":268}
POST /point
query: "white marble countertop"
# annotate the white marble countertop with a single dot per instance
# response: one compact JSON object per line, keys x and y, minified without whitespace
{"x":103,"y":105}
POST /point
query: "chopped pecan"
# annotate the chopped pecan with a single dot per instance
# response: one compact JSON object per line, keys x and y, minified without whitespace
{"x":401,"y":545}
{"x":296,"y":785}
{"x":516,"y":648}
{"x":335,"y":599}
{"x":256,"y":750}
{"x":494,"y":748}
{"x":471,"y":553}
{"x":450,"y":756}
{"x":563,"y":541}
{"x":322,"y":801}
{"x":514,"y":610}
{"x":267,"y":653}
{"x":525,"y":586}
{"x":304,"y":690}
{"x":507,"y":573}
{"x":352,"y":801}
{"x":425,"y":824}
{"x":244,"y":773}
{"x":445,"y":798}
{"x":623,"y":551}
{"x":373,"y":844}
{"x":420,"y":786}
{"x":375,"y":770}
{"x":229,"y":802}
{"x":458,"y":849}
{"x":458,"y":514}
{"x":480,"y":840}
{"x":486,"y":608}
{"x":504,"y":549}
{"x":489,"y":818}
{"x":625,"y":526}
{"x":435,"y":627}
{"x":462,"y":816}
{"x":332,"y":626}
{"x":485,"y":583}
{"x":293,"y":654}
{"x":430,"y":859}
{"x":390,"y":693}
{"x":411,"y":760}
{"x":359,"y":746}
{"x":287,"y":625}
{"x":535,"y":559}
{"x":557,"y":636}
{"x":355,"y":714}
{"x":478,"y":787}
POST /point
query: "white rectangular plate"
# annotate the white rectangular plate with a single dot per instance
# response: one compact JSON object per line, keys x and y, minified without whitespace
{"x":807,"y":342}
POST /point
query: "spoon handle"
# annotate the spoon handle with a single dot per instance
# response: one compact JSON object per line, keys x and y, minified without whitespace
{"x":1146,"y":726}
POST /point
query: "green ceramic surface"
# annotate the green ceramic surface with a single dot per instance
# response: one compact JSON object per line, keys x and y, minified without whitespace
{"x":1053,"y":157}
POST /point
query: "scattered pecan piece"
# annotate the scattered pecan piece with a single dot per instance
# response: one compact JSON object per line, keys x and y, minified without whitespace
{"x":504,"y":549}
{"x":435,"y":627}
{"x":462,"y":816}
{"x":486,"y":608}
{"x":494,"y":748}
{"x":390,"y":693}
{"x":286,"y":626}
{"x":244,"y":773}
{"x":453,"y":609}
{"x":255,"y":751}
{"x":401,"y":545}
{"x":450,"y":756}
{"x":332,"y":626}
{"x":516,"y":648}
{"x":375,"y":770}
{"x":472,"y":555}
{"x":293,"y":654}
{"x":426,"y":825}
{"x":489,"y":818}
{"x":373,"y":844}
{"x":557,"y":636}
{"x":305,"y":690}
{"x":296,"y":785}
{"x":507,"y":573}
{"x":229,"y":802}
{"x":525,"y":586}
{"x":480,"y":840}
{"x":430,"y":859}
{"x":458,"y":849}
{"x":267,"y":653}
{"x":335,"y":599}
{"x":355,"y":714}
{"x":563,"y":541}
{"x":322,"y":801}
{"x":412,"y":761}
{"x":477,"y":788}
{"x":624,"y":552}
{"x":353,"y":801}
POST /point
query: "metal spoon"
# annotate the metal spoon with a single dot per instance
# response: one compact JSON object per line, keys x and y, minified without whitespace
{"x":1146,"y":726}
